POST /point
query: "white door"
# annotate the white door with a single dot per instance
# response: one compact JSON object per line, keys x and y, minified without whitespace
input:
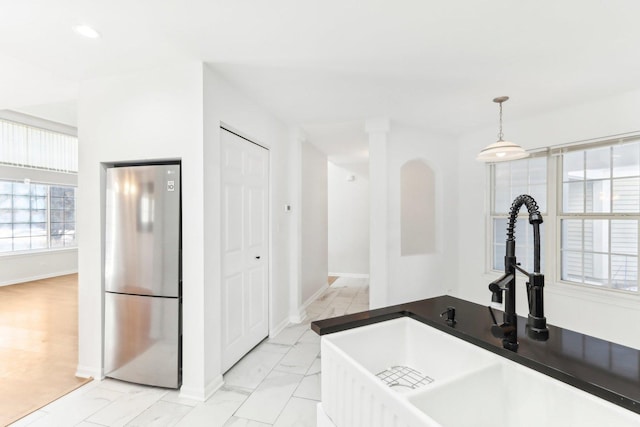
{"x":245,"y":255}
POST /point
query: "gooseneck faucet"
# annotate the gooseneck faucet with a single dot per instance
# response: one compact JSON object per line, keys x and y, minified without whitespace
{"x":536,"y":322}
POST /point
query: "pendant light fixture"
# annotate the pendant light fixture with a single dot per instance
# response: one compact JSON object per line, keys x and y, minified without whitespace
{"x":501,"y":150}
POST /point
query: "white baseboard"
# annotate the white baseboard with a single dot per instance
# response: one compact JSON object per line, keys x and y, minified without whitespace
{"x":202,"y":394}
{"x":38,"y":277}
{"x":299,"y":316}
{"x":314,"y":297}
{"x":89,"y":372}
{"x":351,"y":275}
{"x":278,"y":328}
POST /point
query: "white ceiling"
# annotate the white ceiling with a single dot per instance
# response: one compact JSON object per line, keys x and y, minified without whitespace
{"x":328,"y":65}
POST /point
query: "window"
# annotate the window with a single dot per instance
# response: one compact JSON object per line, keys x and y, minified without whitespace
{"x":594,"y":205}
{"x":509,"y":180}
{"x":599,"y":216}
{"x":36,"y":216}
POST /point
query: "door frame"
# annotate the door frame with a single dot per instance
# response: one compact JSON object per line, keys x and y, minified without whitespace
{"x":225,"y":127}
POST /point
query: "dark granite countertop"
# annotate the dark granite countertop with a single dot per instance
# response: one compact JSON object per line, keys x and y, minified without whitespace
{"x":608,"y":370}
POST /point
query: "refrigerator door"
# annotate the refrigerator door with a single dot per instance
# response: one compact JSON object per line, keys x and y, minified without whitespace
{"x":142,"y":339}
{"x":142,"y":232}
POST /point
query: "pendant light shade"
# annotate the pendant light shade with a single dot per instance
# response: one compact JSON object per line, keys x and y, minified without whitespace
{"x":501,"y":151}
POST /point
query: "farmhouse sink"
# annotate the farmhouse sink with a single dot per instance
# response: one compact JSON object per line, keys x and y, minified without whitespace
{"x":451,"y":383}
{"x":508,"y":394}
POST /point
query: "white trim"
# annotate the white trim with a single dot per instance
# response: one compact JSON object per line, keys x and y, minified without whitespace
{"x":26,"y":254}
{"x":38,"y":122}
{"x":302,"y":310}
{"x":351,"y":275}
{"x":38,"y":277}
{"x":278,"y":328}
{"x":298,"y":317}
{"x":601,"y":295}
{"x":314,"y":297}
{"x":201,"y":394}
{"x":89,"y":372}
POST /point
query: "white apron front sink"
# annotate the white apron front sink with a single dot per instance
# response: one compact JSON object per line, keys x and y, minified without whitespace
{"x":468,"y":386}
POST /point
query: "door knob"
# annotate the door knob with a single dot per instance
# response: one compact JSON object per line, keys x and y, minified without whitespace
{"x":257,"y":256}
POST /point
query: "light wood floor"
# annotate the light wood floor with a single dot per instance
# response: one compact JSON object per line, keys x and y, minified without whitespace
{"x":38,"y":344}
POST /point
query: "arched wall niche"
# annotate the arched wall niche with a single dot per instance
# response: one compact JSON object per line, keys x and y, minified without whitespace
{"x":417,"y":208}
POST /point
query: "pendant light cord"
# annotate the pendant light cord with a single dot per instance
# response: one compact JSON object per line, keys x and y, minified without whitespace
{"x":500,"y":134}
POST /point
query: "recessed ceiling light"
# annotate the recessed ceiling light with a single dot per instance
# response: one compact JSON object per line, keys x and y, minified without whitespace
{"x":86,"y":31}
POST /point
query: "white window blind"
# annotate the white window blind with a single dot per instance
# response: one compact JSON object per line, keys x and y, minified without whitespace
{"x":29,"y":146}
{"x":509,"y":180}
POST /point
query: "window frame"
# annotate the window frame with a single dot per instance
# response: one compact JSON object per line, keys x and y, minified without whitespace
{"x":552,"y":245}
{"x":48,"y":222}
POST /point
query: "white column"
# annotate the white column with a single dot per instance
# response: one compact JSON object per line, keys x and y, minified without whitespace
{"x":378,"y":130}
{"x":296,"y":311}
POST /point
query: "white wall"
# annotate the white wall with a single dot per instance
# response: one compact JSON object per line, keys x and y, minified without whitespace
{"x":153,"y":114}
{"x":225,"y":105}
{"x":23,"y":267}
{"x":348,"y":221}
{"x":599,"y":313}
{"x":425,"y":275}
{"x":313,"y":211}
{"x":176,"y":113}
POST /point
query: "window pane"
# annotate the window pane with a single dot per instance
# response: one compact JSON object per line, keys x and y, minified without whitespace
{"x":538,"y":171}
{"x":596,"y":269}
{"x":6,"y":230}
{"x":38,"y":203}
{"x":573,"y":166}
{"x":39,"y":190}
{"x":39,"y":229}
{"x":624,"y":237}
{"x":20,"y":189}
{"x":39,"y":242}
{"x":6,"y":245}
{"x":599,"y":163}
{"x":624,"y":272}
{"x":57,"y":202}
{"x":39,"y":215}
{"x":573,"y":197}
{"x":6,"y":216}
{"x":57,"y":229}
{"x":5,"y":201}
{"x":56,"y":242}
{"x":57,"y":215}
{"x":596,"y":235}
{"x":598,"y":196}
{"x":572,"y":266}
{"x":626,"y":195}
{"x":571,"y":234}
{"x":21,"y":243}
{"x":21,"y":216}
{"x":21,"y":202}
{"x":539,"y":193}
{"x":57,"y":191}
{"x":6,"y":187}
{"x":626,"y":160}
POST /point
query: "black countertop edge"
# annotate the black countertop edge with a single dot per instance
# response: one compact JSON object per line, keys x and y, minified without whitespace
{"x":554,"y":357}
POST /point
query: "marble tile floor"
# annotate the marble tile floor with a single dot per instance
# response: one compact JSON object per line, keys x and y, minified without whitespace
{"x":276,"y":384}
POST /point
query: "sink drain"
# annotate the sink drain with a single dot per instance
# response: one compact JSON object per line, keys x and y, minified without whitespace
{"x":404,"y":376}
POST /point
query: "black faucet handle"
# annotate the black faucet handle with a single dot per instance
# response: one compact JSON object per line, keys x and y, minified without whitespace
{"x":451,"y":315}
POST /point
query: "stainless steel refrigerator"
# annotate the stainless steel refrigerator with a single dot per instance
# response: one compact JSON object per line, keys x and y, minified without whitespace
{"x":142,"y":340}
